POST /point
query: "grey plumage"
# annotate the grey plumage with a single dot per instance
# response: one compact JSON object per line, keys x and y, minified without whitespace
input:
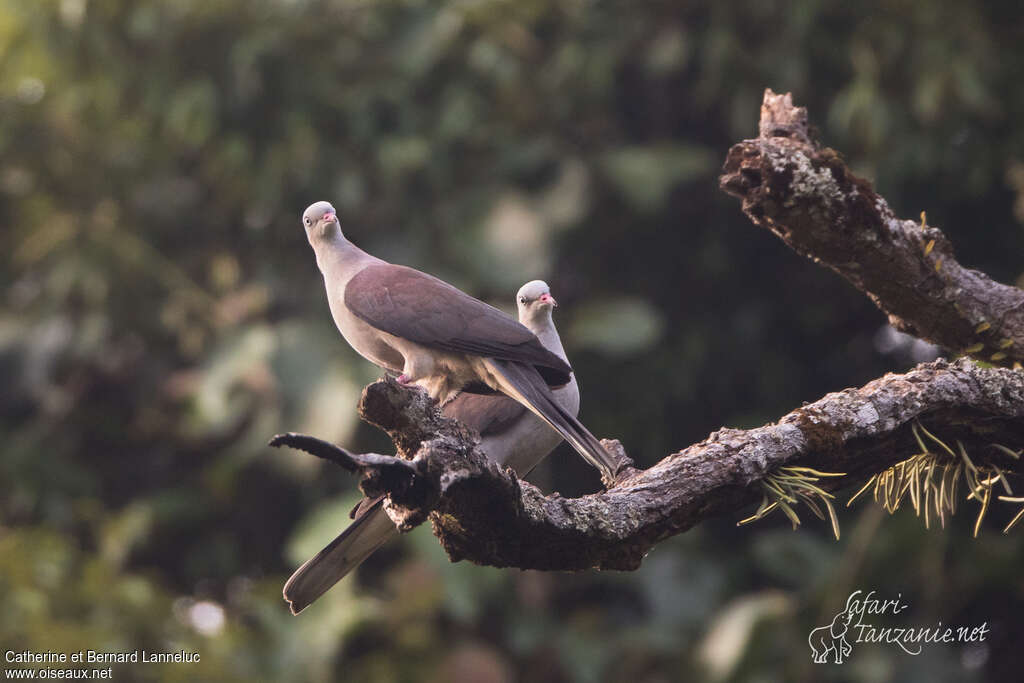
{"x":509,"y":434}
{"x":411,"y":305}
{"x":371,"y":529}
{"x":438,"y":337}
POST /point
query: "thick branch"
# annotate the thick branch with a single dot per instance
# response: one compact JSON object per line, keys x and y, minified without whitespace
{"x":807,"y":196}
{"x":486,"y":515}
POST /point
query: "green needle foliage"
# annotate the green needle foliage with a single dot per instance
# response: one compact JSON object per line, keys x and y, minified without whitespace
{"x":788,"y":486}
{"x":932,"y":478}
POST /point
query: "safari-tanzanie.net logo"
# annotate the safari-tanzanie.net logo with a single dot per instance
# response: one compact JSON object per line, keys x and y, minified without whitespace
{"x":861,"y":621}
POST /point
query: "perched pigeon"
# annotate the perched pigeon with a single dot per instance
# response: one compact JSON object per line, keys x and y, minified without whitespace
{"x":509,"y":434}
{"x":438,"y":337}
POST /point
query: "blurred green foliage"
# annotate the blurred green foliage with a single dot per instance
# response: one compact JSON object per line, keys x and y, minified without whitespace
{"x":162,"y":316}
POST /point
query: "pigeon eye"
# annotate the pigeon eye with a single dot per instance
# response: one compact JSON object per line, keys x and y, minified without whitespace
{"x":309,"y":222}
{"x":522,"y":299}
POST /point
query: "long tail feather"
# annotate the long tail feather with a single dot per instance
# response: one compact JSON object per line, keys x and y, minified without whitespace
{"x":358,"y":541}
{"x":524,"y":384}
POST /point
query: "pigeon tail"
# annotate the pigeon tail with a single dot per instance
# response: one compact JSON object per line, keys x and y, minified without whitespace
{"x":358,"y":541}
{"x":524,"y":383}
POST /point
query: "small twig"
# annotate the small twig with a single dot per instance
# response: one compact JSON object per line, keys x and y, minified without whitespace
{"x":318,"y":447}
{"x":381,"y":474}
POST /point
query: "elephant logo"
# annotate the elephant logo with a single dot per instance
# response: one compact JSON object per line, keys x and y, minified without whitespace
{"x":831,"y":639}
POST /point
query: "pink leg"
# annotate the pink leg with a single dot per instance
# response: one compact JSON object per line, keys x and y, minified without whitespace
{"x":404,"y":379}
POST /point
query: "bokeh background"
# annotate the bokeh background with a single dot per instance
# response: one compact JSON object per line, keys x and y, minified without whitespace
{"x":161,"y":316}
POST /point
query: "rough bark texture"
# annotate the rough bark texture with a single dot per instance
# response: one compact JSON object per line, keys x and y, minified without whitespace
{"x":486,"y":515}
{"x":806,"y":196}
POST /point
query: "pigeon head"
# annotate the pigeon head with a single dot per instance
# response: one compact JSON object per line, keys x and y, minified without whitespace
{"x":319,"y":219}
{"x":534,"y":299}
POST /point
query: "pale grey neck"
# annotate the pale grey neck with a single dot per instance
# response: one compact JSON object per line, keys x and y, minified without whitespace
{"x":545,"y":330}
{"x":568,"y":396}
{"x":338,"y":259}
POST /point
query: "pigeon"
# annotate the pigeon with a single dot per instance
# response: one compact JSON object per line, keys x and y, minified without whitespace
{"x":439,"y":338}
{"x":510,"y":435}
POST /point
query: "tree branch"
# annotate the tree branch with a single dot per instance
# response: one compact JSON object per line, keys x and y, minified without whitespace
{"x":805,"y":195}
{"x":486,"y":515}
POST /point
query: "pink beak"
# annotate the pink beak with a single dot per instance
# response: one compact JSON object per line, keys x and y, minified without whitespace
{"x":330,"y":217}
{"x":548,"y":299}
